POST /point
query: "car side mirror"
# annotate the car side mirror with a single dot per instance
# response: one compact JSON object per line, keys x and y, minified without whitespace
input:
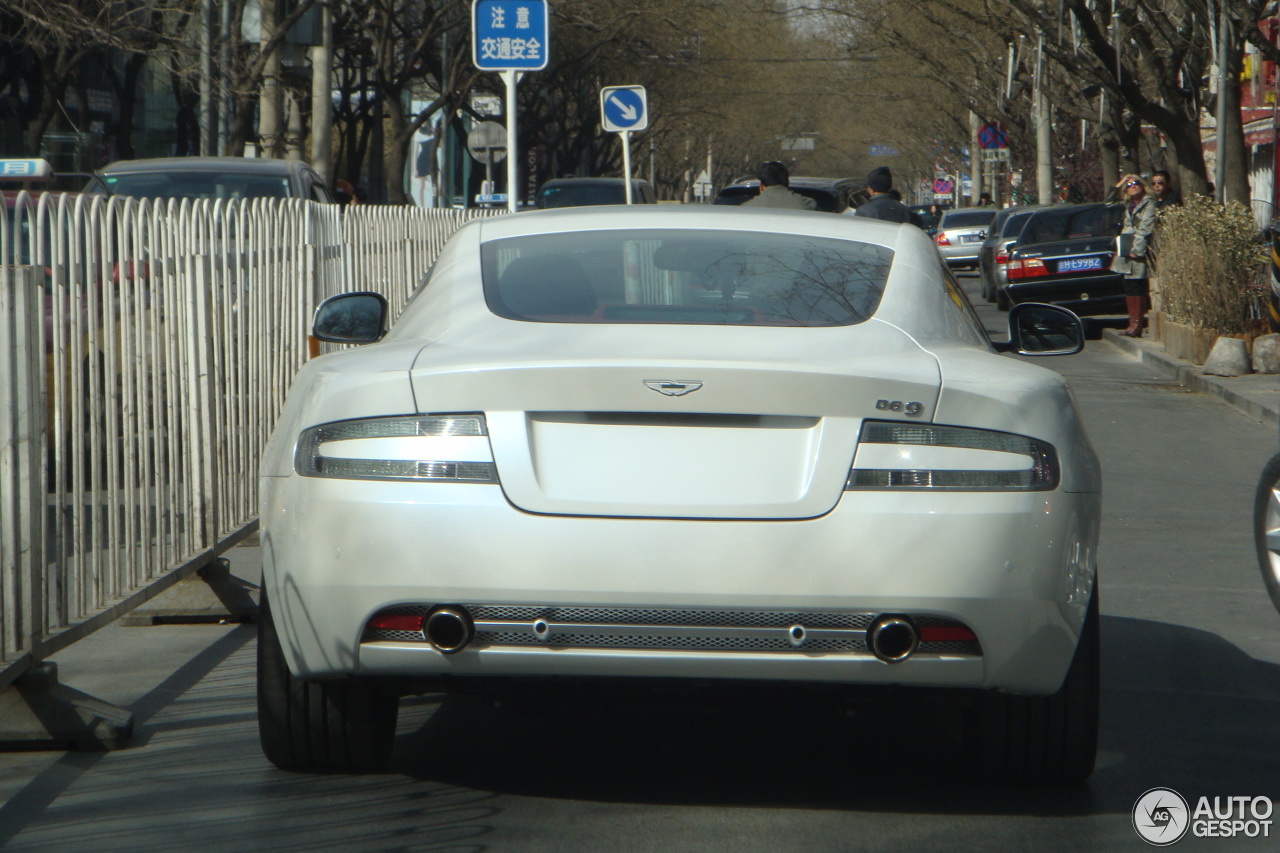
{"x":1038,"y":329}
{"x":351,"y":318}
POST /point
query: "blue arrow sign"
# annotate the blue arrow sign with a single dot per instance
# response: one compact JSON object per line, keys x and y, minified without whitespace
{"x":623,"y":108}
{"x":509,"y":35}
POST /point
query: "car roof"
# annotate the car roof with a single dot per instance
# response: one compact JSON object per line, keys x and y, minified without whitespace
{"x":230,"y":165}
{"x":951,"y":211}
{"x":558,"y":182}
{"x":805,"y":181}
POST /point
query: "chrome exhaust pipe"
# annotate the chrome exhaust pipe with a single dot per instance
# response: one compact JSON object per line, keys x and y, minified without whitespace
{"x":892,"y":639}
{"x":449,"y":629}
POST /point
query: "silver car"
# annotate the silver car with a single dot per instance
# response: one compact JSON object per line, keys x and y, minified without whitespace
{"x":960,"y":234}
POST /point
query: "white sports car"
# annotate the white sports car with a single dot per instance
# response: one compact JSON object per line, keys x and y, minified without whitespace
{"x":681,"y":443}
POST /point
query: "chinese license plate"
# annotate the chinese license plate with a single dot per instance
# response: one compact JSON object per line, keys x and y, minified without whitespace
{"x":1073,"y":264}
{"x":971,"y":238}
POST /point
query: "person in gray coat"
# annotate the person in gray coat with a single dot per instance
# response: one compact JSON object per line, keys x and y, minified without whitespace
{"x":775,"y":183}
{"x":882,"y":204}
{"x":1139,"y":225}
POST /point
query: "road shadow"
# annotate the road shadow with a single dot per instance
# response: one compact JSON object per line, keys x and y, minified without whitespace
{"x":1182,"y":708}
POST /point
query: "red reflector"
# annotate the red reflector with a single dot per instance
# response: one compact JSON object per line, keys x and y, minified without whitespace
{"x":396,"y":622}
{"x":941,"y":634}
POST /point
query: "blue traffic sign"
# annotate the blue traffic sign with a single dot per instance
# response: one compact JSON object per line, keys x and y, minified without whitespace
{"x":992,"y":135}
{"x":509,"y":35}
{"x":624,"y":108}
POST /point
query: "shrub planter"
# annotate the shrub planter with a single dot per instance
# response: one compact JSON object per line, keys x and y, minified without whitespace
{"x":1189,"y":343}
{"x":1194,"y":343}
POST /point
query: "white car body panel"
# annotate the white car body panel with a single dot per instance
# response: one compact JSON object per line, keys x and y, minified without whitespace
{"x":611,"y":494}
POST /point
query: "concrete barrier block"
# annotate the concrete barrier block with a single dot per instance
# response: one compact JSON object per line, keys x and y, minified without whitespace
{"x":1229,"y":357}
{"x":1266,"y":354}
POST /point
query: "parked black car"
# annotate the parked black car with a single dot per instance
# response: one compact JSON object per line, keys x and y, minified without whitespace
{"x":1063,"y":256}
{"x":831,"y":194}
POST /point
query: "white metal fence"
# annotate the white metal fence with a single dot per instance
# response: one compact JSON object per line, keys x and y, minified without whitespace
{"x":145,"y":352}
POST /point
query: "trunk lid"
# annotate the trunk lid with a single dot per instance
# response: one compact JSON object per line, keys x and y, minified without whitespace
{"x":721,"y":423}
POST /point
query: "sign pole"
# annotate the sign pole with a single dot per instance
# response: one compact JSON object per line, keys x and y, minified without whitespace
{"x":626,"y":162}
{"x":511,"y":78}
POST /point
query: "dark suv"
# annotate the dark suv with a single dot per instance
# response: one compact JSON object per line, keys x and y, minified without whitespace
{"x":1063,"y":256}
{"x":212,"y":178}
{"x":830,"y":194}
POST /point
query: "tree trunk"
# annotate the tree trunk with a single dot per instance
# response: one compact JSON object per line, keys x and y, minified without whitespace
{"x":397,"y":151}
{"x":271,"y":100}
{"x":242,"y":128}
{"x":1231,"y":134}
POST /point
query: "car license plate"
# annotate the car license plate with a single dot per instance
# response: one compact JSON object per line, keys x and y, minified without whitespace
{"x":1073,"y":264}
{"x":971,"y":238}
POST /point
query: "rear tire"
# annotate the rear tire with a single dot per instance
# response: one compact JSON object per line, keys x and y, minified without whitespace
{"x":1002,"y":300}
{"x":1042,"y":739}
{"x":1266,"y":523}
{"x":318,"y":726}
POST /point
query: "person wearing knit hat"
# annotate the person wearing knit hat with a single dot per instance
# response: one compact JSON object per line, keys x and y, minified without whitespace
{"x":883,"y":205}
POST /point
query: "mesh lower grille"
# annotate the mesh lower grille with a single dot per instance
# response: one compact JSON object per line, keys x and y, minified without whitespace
{"x":674,"y":629}
{"x":706,"y":618}
{"x":673,"y":643}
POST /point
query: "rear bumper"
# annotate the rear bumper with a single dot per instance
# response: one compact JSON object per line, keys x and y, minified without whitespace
{"x":1086,"y":295}
{"x":963,"y":255}
{"x":1014,"y":567}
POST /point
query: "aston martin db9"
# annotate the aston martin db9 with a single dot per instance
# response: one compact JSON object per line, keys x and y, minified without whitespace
{"x":693,"y":445}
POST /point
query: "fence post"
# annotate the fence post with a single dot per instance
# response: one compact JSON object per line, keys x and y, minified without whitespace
{"x":22,"y":476}
{"x":201,"y":412}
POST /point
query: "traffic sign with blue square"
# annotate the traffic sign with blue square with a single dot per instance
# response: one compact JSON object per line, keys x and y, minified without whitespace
{"x":509,"y":35}
{"x":624,"y":108}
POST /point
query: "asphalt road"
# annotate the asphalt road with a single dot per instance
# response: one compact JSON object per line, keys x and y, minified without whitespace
{"x":1191,"y":700}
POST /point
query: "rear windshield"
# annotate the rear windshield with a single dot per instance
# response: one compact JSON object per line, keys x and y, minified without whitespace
{"x":684,"y":277}
{"x":976,"y":218}
{"x":1014,"y":224}
{"x":737,"y":195}
{"x":1052,"y":225}
{"x":211,"y":185}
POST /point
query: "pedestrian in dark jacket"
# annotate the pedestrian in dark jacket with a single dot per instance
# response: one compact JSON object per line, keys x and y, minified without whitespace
{"x":882,"y":205}
{"x":1162,"y":190}
{"x":775,"y":183}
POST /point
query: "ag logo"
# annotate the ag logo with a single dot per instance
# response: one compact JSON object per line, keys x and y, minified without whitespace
{"x":673,"y":387}
{"x":1161,"y":817}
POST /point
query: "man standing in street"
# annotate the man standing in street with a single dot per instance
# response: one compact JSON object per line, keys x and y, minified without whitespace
{"x":883,"y":205}
{"x":775,"y":182}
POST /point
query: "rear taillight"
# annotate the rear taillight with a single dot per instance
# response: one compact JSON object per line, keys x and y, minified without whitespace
{"x":904,"y":456}
{"x":1026,"y":268}
{"x":941,"y":239}
{"x":416,"y":448}
{"x":1002,"y":257}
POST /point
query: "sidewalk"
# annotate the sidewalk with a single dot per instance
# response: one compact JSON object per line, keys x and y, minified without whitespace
{"x":1256,"y":395}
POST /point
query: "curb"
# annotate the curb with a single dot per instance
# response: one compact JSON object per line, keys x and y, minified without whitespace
{"x":1256,"y":395}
